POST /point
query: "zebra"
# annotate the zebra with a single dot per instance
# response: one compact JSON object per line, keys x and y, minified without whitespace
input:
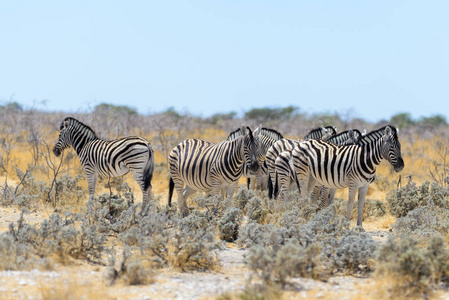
{"x":209,"y":167}
{"x":348,"y":137}
{"x":288,"y":145}
{"x":284,"y":167}
{"x":113,"y":158}
{"x":265,"y":137}
{"x":352,"y":166}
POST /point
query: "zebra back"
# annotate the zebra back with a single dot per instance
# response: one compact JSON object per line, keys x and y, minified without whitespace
{"x":375,"y":135}
{"x":267,"y":137}
{"x":319,"y":132}
{"x":347,"y":137}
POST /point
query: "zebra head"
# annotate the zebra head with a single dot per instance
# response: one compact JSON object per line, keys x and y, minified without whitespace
{"x":391,"y":148}
{"x":73,"y":133}
{"x":257,"y":134}
{"x":250,"y":149}
{"x":64,"y":140}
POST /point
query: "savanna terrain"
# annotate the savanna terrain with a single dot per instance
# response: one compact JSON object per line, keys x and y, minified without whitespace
{"x":55,"y":243}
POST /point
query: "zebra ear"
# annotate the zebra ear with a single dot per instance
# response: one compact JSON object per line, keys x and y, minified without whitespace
{"x":351,"y":134}
{"x":243,"y":129}
{"x":65,"y":125}
{"x":258,"y":130}
{"x":387,"y":131}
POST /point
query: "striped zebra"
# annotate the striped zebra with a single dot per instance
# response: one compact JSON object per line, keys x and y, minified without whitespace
{"x":108,"y":158}
{"x":284,"y":168}
{"x":348,"y":137}
{"x":352,"y":166}
{"x":288,"y":145}
{"x":204,"y":166}
{"x":265,"y":138}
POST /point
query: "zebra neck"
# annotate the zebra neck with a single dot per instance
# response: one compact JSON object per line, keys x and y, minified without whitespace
{"x":80,"y":140}
{"x":371,"y":156}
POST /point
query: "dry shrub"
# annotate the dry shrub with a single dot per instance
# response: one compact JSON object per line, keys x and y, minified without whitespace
{"x":372,"y":209}
{"x":60,"y":238}
{"x":414,"y":270}
{"x":132,"y":270}
{"x":405,"y":199}
{"x":70,"y":289}
{"x":316,"y":249}
{"x":192,"y":243}
{"x":228,"y":226}
{"x":423,"y":222}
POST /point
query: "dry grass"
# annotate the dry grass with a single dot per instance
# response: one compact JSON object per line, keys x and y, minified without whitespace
{"x":71,"y":289}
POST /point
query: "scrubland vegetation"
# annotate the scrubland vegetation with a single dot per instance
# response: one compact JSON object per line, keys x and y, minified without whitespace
{"x":283,"y":242}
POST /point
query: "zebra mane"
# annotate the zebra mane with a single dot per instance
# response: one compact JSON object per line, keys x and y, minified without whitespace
{"x":271,"y":133}
{"x":237,"y":133}
{"x":376,"y":134}
{"x":319,"y":132}
{"x":79,"y":124}
{"x":344,"y":136}
{"x":332,"y":129}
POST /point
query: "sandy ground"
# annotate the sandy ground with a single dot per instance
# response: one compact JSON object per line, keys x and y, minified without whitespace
{"x":86,"y":281}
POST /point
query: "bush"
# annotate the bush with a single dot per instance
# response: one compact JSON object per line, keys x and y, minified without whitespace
{"x":414,"y":270}
{"x":314,"y":249}
{"x":423,"y":223}
{"x":57,"y":238}
{"x":291,"y":260}
{"x":371,"y":209}
{"x":407,"y":198}
{"x":229,"y":224}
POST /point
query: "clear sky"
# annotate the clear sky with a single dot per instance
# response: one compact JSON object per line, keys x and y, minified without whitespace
{"x":373,"y":58}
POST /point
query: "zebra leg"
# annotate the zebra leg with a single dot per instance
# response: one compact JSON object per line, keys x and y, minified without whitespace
{"x":284,"y":182}
{"x":360,"y":202}
{"x":91,"y":183}
{"x":324,"y":197}
{"x":182,"y":205}
{"x":330,"y":200}
{"x":316,"y":193}
{"x":351,"y":198}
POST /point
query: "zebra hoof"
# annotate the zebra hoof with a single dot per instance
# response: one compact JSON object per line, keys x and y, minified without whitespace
{"x":184,"y":212}
{"x":359,"y":228}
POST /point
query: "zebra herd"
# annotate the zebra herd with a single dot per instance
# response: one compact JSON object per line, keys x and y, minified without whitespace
{"x":320,"y":163}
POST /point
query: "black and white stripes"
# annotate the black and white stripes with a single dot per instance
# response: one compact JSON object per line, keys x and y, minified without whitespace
{"x":351,"y":166}
{"x":204,"y":166}
{"x":108,"y":158}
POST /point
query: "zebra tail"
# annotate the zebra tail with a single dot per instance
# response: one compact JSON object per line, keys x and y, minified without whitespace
{"x":292,"y":170}
{"x":171,"y":187}
{"x":149,"y":168}
{"x":270,"y":187}
{"x":248,"y":182}
{"x":276,"y":185}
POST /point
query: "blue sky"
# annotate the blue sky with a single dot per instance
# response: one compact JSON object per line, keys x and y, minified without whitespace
{"x":370,"y":58}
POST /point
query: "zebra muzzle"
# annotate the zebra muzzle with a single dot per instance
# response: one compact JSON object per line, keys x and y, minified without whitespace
{"x":56,"y":151}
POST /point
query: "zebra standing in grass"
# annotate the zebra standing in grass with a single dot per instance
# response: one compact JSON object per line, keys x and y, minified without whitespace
{"x":344,"y":138}
{"x":351,"y":166}
{"x":288,"y":145}
{"x":204,"y":166}
{"x":284,"y":168}
{"x":108,"y":158}
{"x":265,"y":138}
